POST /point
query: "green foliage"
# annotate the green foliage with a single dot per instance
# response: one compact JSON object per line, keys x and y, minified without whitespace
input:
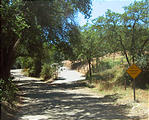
{"x":142,"y":62}
{"x":58,"y":27}
{"x":90,"y":43}
{"x":25,"y":62}
{"x":47,"y":71}
{"x":104,"y":65}
{"x":13,"y":21}
{"x":31,"y":71}
{"x":8,"y":90}
{"x":24,"y":31}
{"x":107,"y":64}
{"x":125,"y":32}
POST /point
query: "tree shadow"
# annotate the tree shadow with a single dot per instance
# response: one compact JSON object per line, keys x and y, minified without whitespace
{"x":55,"y":102}
{"x":60,"y":78}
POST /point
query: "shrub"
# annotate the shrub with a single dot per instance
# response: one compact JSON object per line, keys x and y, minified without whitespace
{"x":104,"y":65}
{"x":142,"y":62}
{"x":143,"y":79}
{"x":47,"y":71}
{"x":24,"y":62}
{"x":31,"y":71}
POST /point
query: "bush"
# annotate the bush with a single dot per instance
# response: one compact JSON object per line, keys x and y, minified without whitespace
{"x":47,"y":71}
{"x":8,"y":90}
{"x":143,"y":79}
{"x":142,"y":62}
{"x":24,"y":62}
{"x":31,"y":71}
{"x":104,"y":65}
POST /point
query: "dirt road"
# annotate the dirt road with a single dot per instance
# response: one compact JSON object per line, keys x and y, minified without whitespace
{"x":66,"y":75}
{"x":65,"y":101}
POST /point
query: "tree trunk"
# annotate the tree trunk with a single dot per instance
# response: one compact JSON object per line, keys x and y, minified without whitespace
{"x":7,"y":60}
{"x":37,"y":67}
{"x":124,"y":51}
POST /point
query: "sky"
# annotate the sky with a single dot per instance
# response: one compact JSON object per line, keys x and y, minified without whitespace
{"x":99,"y":7}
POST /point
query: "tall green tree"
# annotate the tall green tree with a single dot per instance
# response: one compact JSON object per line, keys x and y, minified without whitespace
{"x":32,"y":22}
{"x":135,"y":20}
{"x":12,"y":25}
{"x":90,"y":44}
{"x":127,"y":32}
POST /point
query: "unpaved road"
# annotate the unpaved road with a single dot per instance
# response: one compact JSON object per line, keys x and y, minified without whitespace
{"x":73,"y":101}
{"x":65,"y":75}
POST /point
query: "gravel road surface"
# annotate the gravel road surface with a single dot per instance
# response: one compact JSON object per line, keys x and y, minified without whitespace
{"x":65,"y":99}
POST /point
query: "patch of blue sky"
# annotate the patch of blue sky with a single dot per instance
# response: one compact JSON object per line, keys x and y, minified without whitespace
{"x":99,"y":7}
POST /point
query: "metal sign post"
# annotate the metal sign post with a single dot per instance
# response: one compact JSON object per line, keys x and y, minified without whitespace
{"x":133,"y":71}
{"x":134,"y":89}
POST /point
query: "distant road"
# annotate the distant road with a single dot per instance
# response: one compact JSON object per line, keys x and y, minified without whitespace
{"x":65,"y":75}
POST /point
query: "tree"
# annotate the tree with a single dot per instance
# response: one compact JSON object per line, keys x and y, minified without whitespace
{"x":128,"y":33}
{"x":12,"y":24}
{"x":59,"y":27}
{"x":89,"y":45}
{"x":123,"y":31}
{"x":135,"y":21}
{"x":22,"y":21}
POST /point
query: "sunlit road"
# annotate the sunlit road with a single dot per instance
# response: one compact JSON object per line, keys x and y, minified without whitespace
{"x":65,"y":75}
{"x":73,"y":101}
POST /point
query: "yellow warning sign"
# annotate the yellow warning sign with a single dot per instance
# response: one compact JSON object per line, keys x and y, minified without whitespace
{"x":133,"y":71}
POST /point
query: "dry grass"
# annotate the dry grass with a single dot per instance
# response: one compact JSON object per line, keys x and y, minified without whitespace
{"x":127,"y":95}
{"x":140,"y":107}
{"x":106,"y":81}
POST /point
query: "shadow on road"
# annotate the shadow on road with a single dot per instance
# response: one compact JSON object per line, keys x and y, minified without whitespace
{"x":60,"y":78}
{"x":57,"y":103}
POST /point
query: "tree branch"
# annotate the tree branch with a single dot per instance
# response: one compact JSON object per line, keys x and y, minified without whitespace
{"x":16,"y":44}
{"x":143,"y":45}
{"x":124,"y":50}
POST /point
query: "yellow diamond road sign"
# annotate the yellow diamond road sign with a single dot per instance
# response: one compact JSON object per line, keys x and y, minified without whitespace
{"x":133,"y":71}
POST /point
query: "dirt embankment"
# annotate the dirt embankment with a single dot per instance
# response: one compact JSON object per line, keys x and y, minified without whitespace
{"x":83,"y":67}
{"x":80,"y":66}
